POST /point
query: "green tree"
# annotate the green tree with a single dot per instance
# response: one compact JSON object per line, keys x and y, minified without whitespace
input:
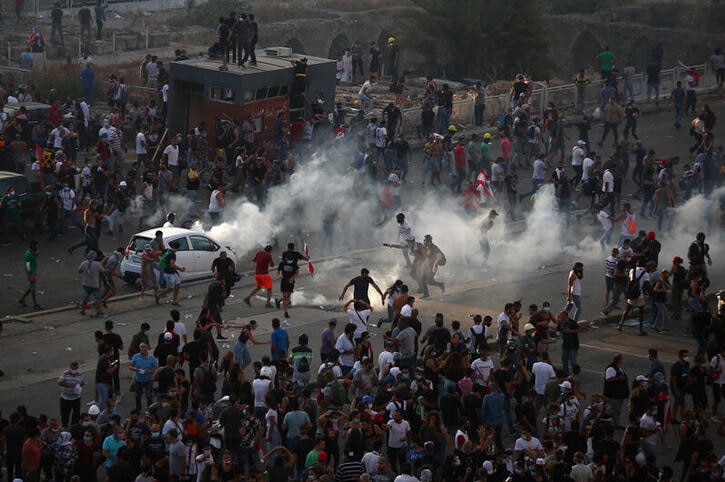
{"x":483,"y":38}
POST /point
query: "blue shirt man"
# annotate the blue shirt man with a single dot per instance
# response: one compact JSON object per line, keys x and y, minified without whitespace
{"x":279,"y":340}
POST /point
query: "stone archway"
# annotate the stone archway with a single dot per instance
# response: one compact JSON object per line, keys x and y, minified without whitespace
{"x":296,"y":46}
{"x":585,"y":48}
{"x":640,"y":53}
{"x":338,"y":46}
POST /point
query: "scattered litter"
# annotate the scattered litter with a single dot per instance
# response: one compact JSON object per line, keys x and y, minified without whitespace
{"x":8,"y":275}
{"x":189,"y":297}
{"x":231,"y":296}
{"x":68,"y":348}
{"x":188,"y":317}
{"x":48,"y":328}
{"x":121,"y":323}
{"x":35,"y":353}
{"x":286,"y":323}
{"x":226,"y":346}
{"x":41,"y":292}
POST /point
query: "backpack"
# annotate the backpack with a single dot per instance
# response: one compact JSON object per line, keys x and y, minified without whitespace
{"x":164,"y":260}
{"x":303,"y":365}
{"x":208,"y":382}
{"x":532,"y":132}
{"x":633,"y":289}
{"x":479,"y":341}
{"x":338,"y":398}
{"x":327,"y":375}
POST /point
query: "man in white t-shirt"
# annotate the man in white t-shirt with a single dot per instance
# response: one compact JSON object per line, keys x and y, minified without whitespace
{"x":543,"y":371}
{"x":385,"y":360}
{"x":171,"y":156}
{"x":141,"y":148}
{"x":581,"y":472}
{"x":398,"y":433}
{"x":587,"y":164}
{"x":359,"y":318}
{"x":57,"y":135}
{"x":346,"y":348}
{"x":482,"y":369}
{"x":528,"y":446}
{"x":577,"y":159}
{"x":365,"y":95}
{"x":608,"y":196}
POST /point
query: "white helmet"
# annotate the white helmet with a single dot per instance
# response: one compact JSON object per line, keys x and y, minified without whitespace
{"x":94,"y":410}
{"x":122,"y":184}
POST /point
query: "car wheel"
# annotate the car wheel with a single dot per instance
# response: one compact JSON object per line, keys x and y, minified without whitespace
{"x":130,"y":278}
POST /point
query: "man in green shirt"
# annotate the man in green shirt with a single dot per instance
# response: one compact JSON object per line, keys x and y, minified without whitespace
{"x":606,"y":62}
{"x":31,"y":271}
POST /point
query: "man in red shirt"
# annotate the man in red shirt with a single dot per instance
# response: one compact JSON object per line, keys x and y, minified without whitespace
{"x":264,"y":261}
{"x":460,"y":164}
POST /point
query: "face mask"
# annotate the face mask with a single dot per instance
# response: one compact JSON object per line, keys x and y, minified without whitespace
{"x":457,"y":463}
{"x":562,"y":389}
{"x":188,"y":444}
{"x":686,"y":359}
{"x":518,"y":471}
{"x":74,"y":372}
{"x":406,"y":376}
{"x":155,"y":434}
{"x":87,"y":438}
{"x":147,"y":332}
{"x":207,"y":453}
{"x":546,"y":309}
{"x":111,"y":423}
{"x":488,"y":358}
{"x":227,"y":461}
{"x":113,"y":409}
{"x":12,"y":193}
{"x":119,"y":436}
{"x":654,"y":412}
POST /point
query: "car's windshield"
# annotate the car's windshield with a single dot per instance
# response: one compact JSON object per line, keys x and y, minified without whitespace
{"x":138,"y":243}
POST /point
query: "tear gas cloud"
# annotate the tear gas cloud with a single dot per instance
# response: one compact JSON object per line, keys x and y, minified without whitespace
{"x":325,"y":183}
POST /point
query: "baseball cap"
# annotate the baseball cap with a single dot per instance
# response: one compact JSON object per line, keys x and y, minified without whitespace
{"x":487,"y":467}
{"x":566,"y":384}
{"x":322,"y":457}
{"x":640,"y":378}
{"x":677,"y":259}
{"x":168,"y":336}
{"x":395,"y":371}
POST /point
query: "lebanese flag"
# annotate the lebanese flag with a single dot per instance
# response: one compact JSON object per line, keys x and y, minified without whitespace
{"x":310,"y":266}
{"x":483,"y":184}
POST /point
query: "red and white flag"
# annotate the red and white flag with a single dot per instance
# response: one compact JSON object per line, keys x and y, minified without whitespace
{"x":310,"y":266}
{"x":483,"y":184}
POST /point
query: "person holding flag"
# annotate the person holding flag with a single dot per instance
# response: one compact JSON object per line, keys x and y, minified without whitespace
{"x":310,"y":266}
{"x":483,"y":185}
{"x":693,"y":80}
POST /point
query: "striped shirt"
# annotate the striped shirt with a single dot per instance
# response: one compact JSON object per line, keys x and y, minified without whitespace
{"x":609,"y":264}
{"x":69,"y":393}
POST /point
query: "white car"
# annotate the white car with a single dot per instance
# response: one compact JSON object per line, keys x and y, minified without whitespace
{"x":196,"y":252}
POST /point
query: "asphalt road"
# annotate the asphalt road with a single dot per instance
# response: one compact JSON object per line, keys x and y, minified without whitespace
{"x":37,"y":346}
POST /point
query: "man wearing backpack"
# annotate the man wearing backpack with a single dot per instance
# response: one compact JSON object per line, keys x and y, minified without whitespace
{"x":637,"y":291}
{"x":204,"y":384}
{"x":301,"y":358}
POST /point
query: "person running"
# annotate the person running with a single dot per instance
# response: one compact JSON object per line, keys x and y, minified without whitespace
{"x":434,"y":258}
{"x":31,"y":272}
{"x":263,"y":261}
{"x":287,"y":272}
{"x":360,"y":286}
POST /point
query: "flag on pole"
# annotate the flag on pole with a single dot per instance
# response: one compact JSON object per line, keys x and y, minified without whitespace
{"x":483,"y":184}
{"x":310,"y":266}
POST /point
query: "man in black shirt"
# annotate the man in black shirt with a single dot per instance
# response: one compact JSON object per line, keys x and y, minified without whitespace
{"x":287,"y":272}
{"x":114,"y":340}
{"x":224,"y":267}
{"x":360,"y":286}
{"x":105,"y":369}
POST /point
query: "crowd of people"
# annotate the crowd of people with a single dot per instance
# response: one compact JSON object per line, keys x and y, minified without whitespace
{"x":438,"y":403}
